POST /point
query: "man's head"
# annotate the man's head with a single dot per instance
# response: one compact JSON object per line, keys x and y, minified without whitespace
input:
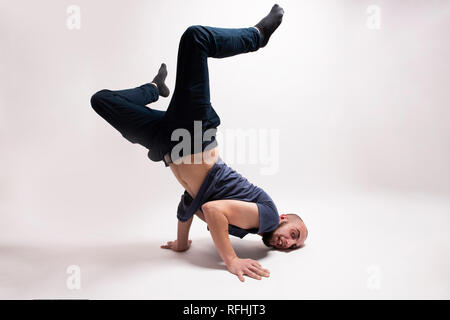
{"x":291,"y":233}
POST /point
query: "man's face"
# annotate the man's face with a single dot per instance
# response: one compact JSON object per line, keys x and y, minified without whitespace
{"x":290,"y":234}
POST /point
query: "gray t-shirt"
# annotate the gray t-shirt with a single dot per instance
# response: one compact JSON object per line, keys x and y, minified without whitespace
{"x":222,"y":182}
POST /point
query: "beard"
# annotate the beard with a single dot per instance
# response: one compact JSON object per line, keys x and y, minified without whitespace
{"x":267,"y":236}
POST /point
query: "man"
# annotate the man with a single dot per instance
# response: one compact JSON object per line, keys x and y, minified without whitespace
{"x":217,"y":194}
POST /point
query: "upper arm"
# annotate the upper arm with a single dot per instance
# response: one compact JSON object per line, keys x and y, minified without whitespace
{"x":241,"y":214}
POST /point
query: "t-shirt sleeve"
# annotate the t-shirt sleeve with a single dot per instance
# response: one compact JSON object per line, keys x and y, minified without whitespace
{"x":185,"y":202}
{"x":268,"y":216}
{"x":268,"y":221}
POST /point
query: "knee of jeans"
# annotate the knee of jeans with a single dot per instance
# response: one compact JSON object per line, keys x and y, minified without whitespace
{"x":192,"y":34}
{"x":97,"y":98}
{"x":192,"y":30}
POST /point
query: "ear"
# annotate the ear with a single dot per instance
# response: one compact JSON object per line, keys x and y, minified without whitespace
{"x":283,"y":217}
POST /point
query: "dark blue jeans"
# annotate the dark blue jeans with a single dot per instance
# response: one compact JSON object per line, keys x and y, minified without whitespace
{"x":126,"y":109}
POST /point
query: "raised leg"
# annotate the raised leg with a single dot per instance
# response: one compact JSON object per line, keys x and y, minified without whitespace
{"x":125,"y":110}
{"x":191,"y":97}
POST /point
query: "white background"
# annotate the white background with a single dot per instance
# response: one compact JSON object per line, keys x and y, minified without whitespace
{"x":363,"y":117}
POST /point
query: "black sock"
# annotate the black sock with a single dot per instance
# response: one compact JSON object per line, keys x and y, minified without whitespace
{"x":270,"y":23}
{"x":159,"y":80}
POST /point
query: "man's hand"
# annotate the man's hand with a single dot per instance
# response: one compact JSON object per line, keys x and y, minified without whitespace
{"x":248,"y":267}
{"x":177,"y":246}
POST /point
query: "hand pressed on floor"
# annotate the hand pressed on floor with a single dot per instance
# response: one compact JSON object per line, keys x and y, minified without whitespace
{"x":248,"y":267}
{"x":176,"y":246}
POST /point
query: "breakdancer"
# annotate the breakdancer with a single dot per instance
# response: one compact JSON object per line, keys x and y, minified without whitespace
{"x":184,"y":138}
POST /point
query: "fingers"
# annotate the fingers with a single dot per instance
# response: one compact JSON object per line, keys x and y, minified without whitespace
{"x":241,"y":276}
{"x":248,"y":267}
{"x":168,"y":245}
{"x":175,"y":246}
{"x":260,"y":271}
{"x":253,"y":274}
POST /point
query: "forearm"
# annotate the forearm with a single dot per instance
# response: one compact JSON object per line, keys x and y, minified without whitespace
{"x":183,"y":230}
{"x":218,"y":226}
{"x":218,"y":215}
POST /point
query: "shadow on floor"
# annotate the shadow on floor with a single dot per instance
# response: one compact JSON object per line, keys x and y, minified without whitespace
{"x":25,"y":264}
{"x":203,"y":253}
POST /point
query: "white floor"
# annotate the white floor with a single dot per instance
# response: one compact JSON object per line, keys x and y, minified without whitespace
{"x":361,"y":246}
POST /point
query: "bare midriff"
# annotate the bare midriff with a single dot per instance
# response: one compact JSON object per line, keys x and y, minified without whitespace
{"x":191,"y":170}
